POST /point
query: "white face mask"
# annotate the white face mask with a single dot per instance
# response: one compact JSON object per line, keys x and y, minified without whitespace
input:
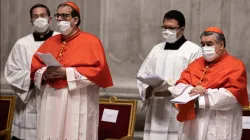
{"x":209,"y":53}
{"x":41,"y":24}
{"x":170,"y":36}
{"x":64,"y":27}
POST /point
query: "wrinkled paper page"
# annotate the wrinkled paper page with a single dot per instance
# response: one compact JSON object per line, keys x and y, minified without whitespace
{"x":184,"y":98}
{"x":49,"y":59}
{"x":151,"y":80}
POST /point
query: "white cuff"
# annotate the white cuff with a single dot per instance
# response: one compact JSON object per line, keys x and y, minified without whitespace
{"x":39,"y":77}
{"x":202,"y":102}
{"x":71,"y":78}
{"x":75,"y":79}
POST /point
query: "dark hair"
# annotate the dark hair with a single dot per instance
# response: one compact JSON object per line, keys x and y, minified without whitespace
{"x":74,"y":13}
{"x":41,"y":6}
{"x":177,"y":15}
{"x":219,"y":37}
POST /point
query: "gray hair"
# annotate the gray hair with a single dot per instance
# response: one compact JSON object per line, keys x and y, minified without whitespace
{"x":219,"y":37}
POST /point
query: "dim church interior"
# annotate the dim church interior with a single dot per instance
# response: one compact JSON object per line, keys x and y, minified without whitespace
{"x":129,"y":29}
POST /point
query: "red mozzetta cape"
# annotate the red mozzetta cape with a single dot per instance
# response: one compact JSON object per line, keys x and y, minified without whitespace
{"x":84,"y":53}
{"x":228,"y":72}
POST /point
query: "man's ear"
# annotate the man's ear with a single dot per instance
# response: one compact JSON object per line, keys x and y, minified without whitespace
{"x":31,"y":22}
{"x":50,"y":20}
{"x":222,"y":45}
{"x":76,"y":20}
{"x":182,"y":29}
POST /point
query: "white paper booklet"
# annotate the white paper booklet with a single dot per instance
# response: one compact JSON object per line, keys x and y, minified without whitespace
{"x":184,"y":98}
{"x":151,"y":80}
{"x":49,"y":59}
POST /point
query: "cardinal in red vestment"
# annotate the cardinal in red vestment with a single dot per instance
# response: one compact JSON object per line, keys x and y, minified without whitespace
{"x":221,"y":82}
{"x":68,"y":105}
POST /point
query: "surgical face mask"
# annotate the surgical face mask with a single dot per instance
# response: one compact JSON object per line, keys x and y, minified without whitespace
{"x":65,"y":27}
{"x":170,"y":36}
{"x":209,"y":53}
{"x":41,"y":24}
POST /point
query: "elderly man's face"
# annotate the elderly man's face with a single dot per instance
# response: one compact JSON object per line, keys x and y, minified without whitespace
{"x":211,"y":41}
{"x":173,"y":25}
{"x":64,"y":13}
